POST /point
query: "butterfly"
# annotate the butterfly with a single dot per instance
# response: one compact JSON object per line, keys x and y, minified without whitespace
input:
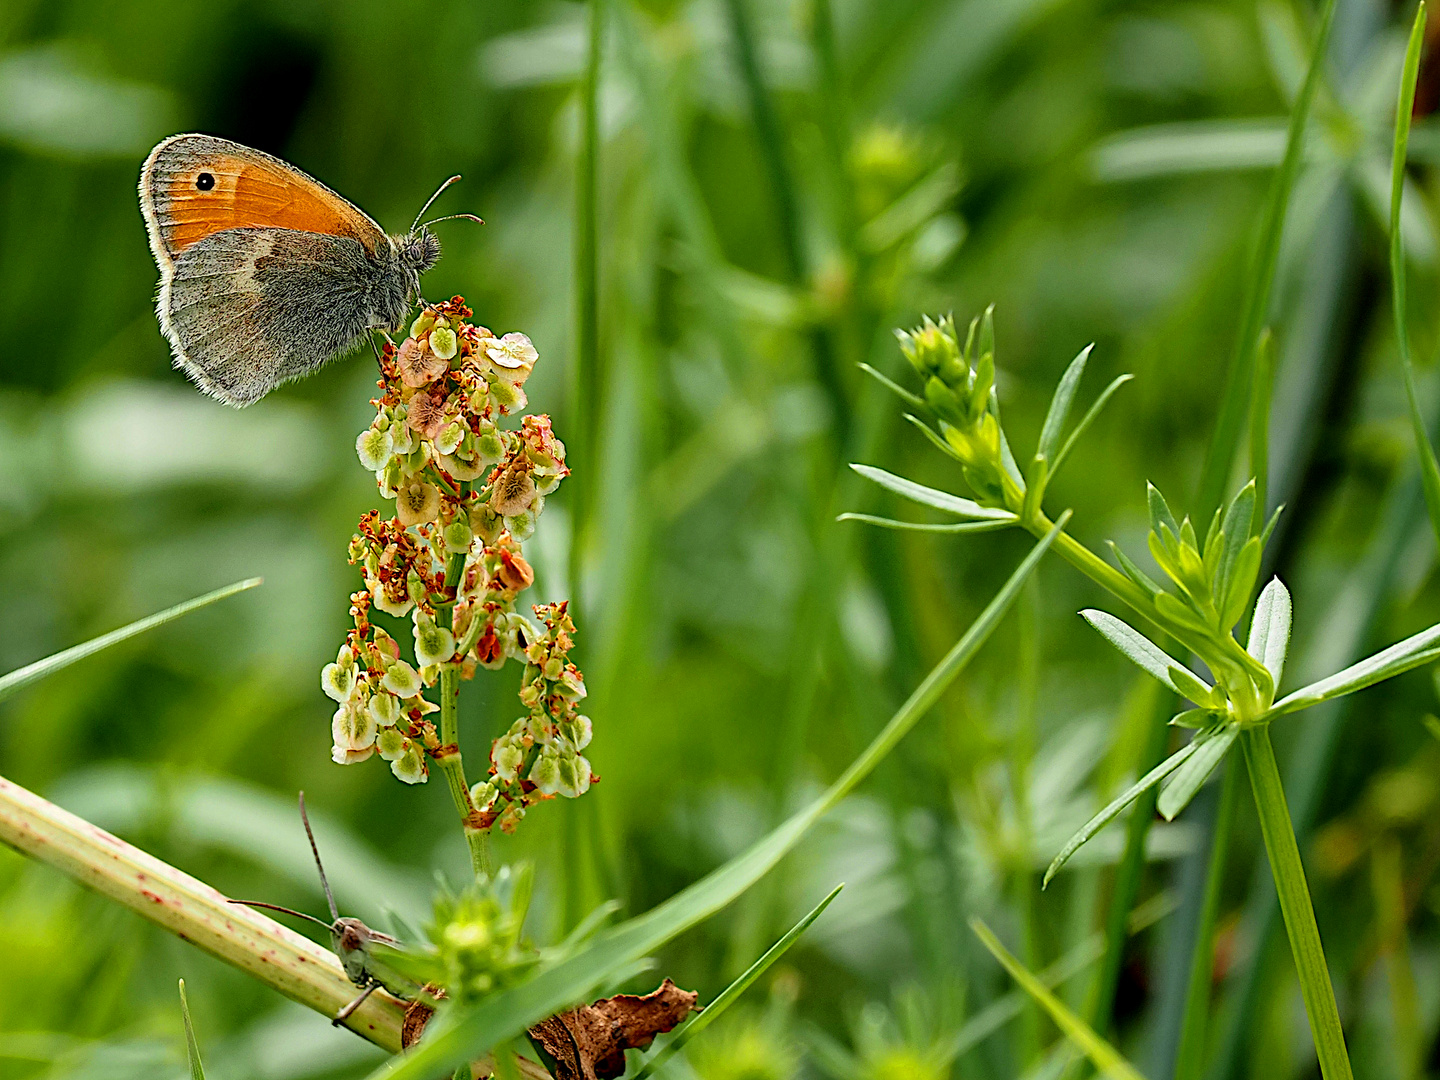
{"x":265,"y":273}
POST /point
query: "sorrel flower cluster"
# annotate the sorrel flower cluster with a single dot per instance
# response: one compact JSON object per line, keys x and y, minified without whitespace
{"x":451,"y":561}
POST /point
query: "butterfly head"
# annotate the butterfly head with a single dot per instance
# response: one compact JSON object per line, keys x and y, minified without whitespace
{"x":418,"y":251}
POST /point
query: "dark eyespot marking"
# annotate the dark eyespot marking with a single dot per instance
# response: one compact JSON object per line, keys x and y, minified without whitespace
{"x":204,"y":182}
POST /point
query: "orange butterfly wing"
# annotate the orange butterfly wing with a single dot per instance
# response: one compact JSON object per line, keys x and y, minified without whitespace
{"x":196,"y":185}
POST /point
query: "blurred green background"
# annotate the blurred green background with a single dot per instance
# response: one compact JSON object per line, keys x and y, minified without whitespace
{"x":1096,"y":169}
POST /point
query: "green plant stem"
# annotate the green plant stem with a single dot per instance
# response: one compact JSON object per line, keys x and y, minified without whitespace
{"x":1295,"y":907}
{"x":242,"y":937}
{"x":1190,"y":1057}
{"x":447,"y":755}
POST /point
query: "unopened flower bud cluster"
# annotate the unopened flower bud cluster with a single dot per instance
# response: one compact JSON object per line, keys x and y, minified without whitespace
{"x":958,"y":385}
{"x":463,"y":486}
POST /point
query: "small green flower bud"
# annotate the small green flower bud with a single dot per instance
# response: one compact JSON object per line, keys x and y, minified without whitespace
{"x":374,"y":447}
{"x":522,"y":525}
{"x":458,"y":537}
{"x":353,"y":728}
{"x":402,"y":680}
{"x":449,"y":438}
{"x":545,"y":774}
{"x":507,"y":759}
{"x":385,"y":708}
{"x":932,"y":349}
{"x":422,"y":324}
{"x":391,"y":743}
{"x":410,"y":766}
{"x":443,"y":342}
{"x":507,"y":395}
{"x":483,"y":794}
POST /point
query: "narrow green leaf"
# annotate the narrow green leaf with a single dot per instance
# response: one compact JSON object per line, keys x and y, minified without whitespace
{"x":728,"y":996}
{"x":192,"y":1047}
{"x":1137,"y":648}
{"x":1133,"y":572}
{"x":916,"y":526}
{"x":1241,"y":583}
{"x":1117,"y":804}
{"x":1270,"y":526}
{"x":1102,"y":1055}
{"x":1195,"y":719}
{"x":459,"y":1035}
{"x":1239,"y":516}
{"x":1270,"y":628}
{"x":1414,"y":651}
{"x":1239,"y":378}
{"x":927,"y":496}
{"x":1181,"y":785}
{"x":935,"y":440}
{"x":1086,"y":420}
{"x":1260,"y":422}
{"x":1404,"y":106}
{"x":1060,"y":404}
{"x":915,"y":401}
{"x":23,"y":677}
{"x":1190,"y":686}
{"x":1159,"y":512}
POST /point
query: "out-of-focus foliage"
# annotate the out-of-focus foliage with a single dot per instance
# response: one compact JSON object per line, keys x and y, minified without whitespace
{"x":1094,"y":170}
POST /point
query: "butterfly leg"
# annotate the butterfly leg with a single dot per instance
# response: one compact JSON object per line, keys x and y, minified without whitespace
{"x":345,"y":1013}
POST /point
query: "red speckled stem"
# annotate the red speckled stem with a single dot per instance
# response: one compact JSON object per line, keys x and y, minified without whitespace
{"x":280,"y":958}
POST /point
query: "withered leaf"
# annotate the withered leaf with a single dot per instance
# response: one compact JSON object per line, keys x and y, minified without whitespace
{"x":589,"y":1043}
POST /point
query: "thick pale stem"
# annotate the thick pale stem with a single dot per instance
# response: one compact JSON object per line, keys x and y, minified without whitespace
{"x":1295,"y":907}
{"x":447,"y":758}
{"x":241,"y":936}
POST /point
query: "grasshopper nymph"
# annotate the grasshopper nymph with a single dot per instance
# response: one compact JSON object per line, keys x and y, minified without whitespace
{"x":352,"y":941}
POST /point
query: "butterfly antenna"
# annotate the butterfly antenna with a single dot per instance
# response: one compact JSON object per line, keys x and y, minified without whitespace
{"x":284,"y":910}
{"x":329,"y":897}
{"x":430,"y":200}
{"x":452,"y":217}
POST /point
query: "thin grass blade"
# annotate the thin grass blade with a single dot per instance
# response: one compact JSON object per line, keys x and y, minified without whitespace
{"x":728,"y":996}
{"x":192,"y":1046}
{"x":1105,"y":1057}
{"x":22,"y":677}
{"x":1239,"y":378}
{"x":1404,"y":105}
{"x":461,"y":1035}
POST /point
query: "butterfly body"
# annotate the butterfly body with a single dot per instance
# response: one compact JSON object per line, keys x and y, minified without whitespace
{"x":265,"y":273}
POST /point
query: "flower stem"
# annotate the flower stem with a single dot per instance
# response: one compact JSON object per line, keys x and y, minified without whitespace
{"x":447,"y":756}
{"x":1295,"y":907}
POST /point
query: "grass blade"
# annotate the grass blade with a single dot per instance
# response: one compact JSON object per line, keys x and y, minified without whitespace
{"x":1404,"y":105}
{"x":458,"y":1036}
{"x":728,"y":996}
{"x":20,"y":678}
{"x":1238,"y":380}
{"x":1105,"y":1057}
{"x":192,"y":1047}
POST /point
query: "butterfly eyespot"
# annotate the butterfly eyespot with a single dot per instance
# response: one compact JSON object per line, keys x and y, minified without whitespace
{"x":205,"y":181}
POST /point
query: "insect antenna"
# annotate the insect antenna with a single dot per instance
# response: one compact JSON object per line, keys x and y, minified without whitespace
{"x":329,"y":896}
{"x":430,"y":200}
{"x":452,"y":217}
{"x":284,"y":910}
